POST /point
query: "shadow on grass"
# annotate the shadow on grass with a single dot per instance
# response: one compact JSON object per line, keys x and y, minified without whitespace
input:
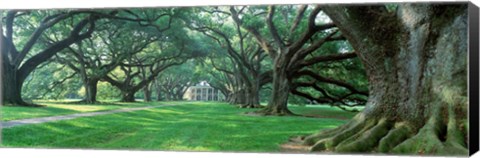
{"x":18,"y":112}
{"x":53,"y":108}
{"x":103,"y":103}
{"x":188,"y":127}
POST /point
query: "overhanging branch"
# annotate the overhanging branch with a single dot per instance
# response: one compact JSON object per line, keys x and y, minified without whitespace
{"x":330,"y":81}
{"x":326,"y":58}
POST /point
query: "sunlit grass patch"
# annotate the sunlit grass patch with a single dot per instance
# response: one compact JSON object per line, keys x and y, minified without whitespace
{"x":14,"y":112}
{"x":188,"y":126}
{"x":53,"y":108}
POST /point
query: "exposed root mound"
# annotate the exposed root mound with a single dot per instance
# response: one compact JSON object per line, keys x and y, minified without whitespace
{"x":84,"y":102}
{"x":324,"y":117}
{"x":24,"y":104}
{"x":438,"y":136}
{"x":272,"y":112}
{"x":294,"y":145}
{"x":35,"y":105}
{"x":250,"y":106}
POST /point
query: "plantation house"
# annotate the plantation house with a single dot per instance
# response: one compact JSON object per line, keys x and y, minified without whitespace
{"x":203,"y":92}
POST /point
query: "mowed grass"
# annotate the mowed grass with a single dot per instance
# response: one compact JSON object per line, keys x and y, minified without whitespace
{"x":53,"y":108}
{"x":188,"y":126}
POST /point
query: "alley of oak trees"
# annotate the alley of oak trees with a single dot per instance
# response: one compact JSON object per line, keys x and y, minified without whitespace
{"x":406,"y":63}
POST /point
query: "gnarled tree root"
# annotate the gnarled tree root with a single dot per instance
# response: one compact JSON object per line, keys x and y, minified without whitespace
{"x":83,"y":101}
{"x":266,"y":111}
{"x":250,"y":106}
{"x":25,"y":104}
{"x":438,"y":136}
{"x":400,"y":132}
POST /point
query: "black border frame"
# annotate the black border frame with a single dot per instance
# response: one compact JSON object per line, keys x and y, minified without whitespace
{"x":473,"y":78}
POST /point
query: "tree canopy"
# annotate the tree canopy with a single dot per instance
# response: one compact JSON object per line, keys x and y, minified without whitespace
{"x":406,"y":63}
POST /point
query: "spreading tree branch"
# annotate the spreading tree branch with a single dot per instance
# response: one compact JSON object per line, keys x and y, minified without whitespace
{"x":330,"y":81}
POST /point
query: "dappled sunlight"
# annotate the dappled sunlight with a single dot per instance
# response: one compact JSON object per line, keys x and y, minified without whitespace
{"x":14,"y":113}
{"x":176,"y":144}
{"x":239,"y":78}
{"x":166,"y":111}
{"x":186,"y":127}
{"x":80,"y":108}
{"x":55,"y":129}
{"x":231,"y":125}
{"x":56,"y":107}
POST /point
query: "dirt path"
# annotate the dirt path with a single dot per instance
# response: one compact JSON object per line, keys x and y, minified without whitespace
{"x":38,"y":120}
{"x":294,"y":145}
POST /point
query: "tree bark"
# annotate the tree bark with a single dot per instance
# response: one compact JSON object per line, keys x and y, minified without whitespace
{"x":289,"y":55}
{"x":168,"y":96}
{"x":247,"y":93}
{"x":416,"y":63}
{"x":230,"y":97}
{"x":235,"y":97}
{"x":252,"y":93}
{"x":158,"y":88}
{"x":255,"y":93}
{"x":280,"y":90}
{"x":240,"y":97}
{"x":128,"y":96}
{"x":11,"y":87}
{"x":253,"y":97}
{"x":147,"y":94}
{"x":159,"y":95}
{"x":179,"y":96}
{"x":91,"y":91}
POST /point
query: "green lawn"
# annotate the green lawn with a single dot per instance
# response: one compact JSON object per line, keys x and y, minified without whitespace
{"x":61,"y":108}
{"x":189,"y":126}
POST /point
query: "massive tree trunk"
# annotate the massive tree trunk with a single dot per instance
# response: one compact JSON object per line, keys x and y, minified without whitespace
{"x":168,"y":96}
{"x":416,"y":63}
{"x":91,"y":91}
{"x":232,"y":97}
{"x":241,"y":97}
{"x":252,"y":92}
{"x":290,"y":53}
{"x":128,"y":96}
{"x":253,"y":99}
{"x":179,"y":96}
{"x":255,"y":95}
{"x":11,"y":87}
{"x":158,"y":91}
{"x":147,"y":94}
{"x":159,"y":95}
{"x":280,"y":90}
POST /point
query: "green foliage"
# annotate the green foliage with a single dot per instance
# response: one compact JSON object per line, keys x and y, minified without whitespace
{"x":392,"y":7}
{"x":105,"y":91}
{"x":176,"y":79}
{"x":297,"y":100}
{"x":51,"y":81}
{"x":253,"y":21}
{"x":350,"y":71}
{"x":188,"y":126}
{"x":265,"y":93}
{"x":116,"y":40}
